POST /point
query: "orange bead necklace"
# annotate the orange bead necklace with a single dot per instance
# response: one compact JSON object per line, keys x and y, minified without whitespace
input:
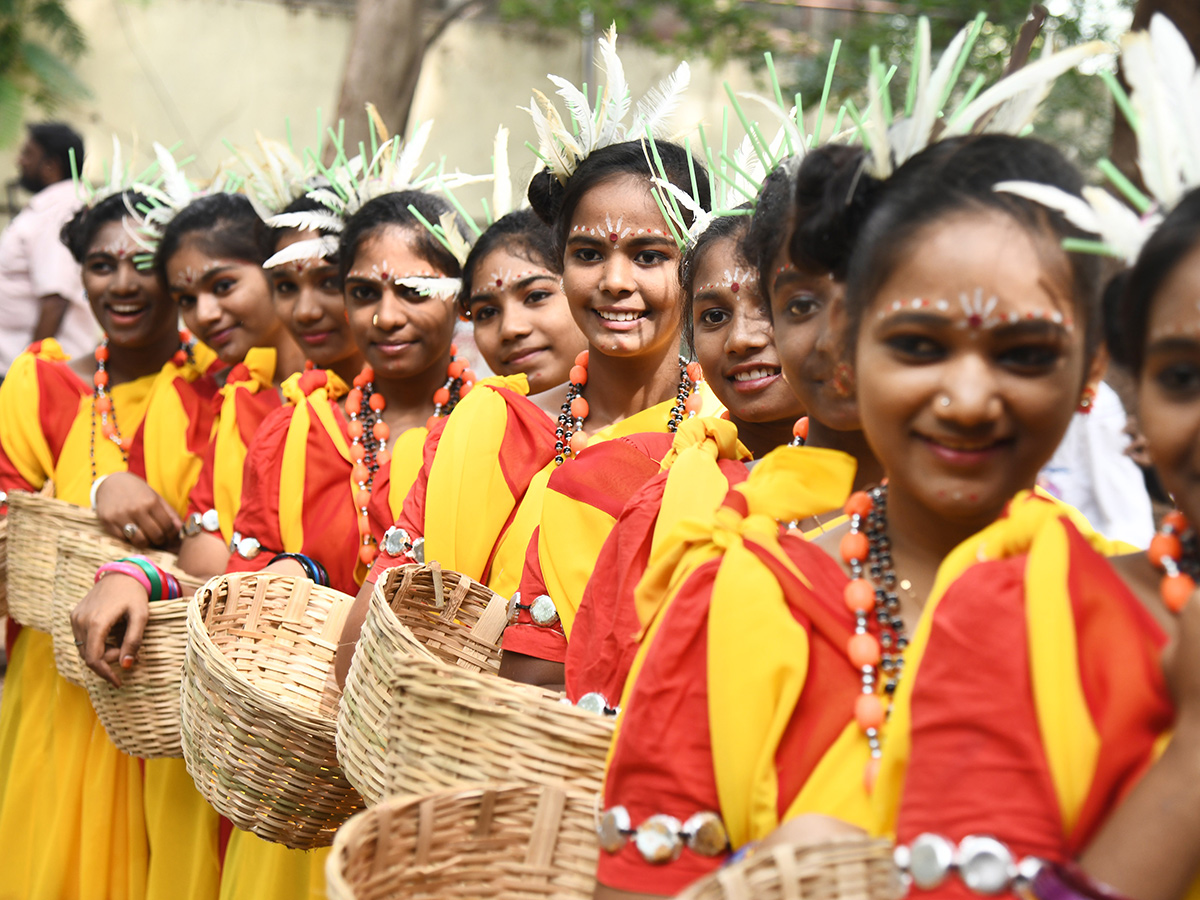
{"x":102,"y":404}
{"x":369,"y":435}
{"x":872,"y":589}
{"x":569,"y":436}
{"x":1172,"y":550}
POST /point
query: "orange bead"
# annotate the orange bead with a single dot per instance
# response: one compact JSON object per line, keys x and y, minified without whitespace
{"x":579,"y":442}
{"x":103,"y":404}
{"x":358,"y":452}
{"x":694,"y":372}
{"x":100,"y":379}
{"x":126,"y":444}
{"x":469,"y":375}
{"x":380,"y":431}
{"x":362,"y":498}
{"x":800,"y":429}
{"x":863,"y":650}
{"x":1164,"y":545}
{"x":582,"y":359}
{"x":871,"y":775}
{"x":367,"y":554}
{"x":102,"y":353}
{"x":859,"y":504}
{"x":431,"y":421}
{"x":1176,"y":520}
{"x":579,"y":408}
{"x":859,"y":595}
{"x":868,"y":711}
{"x":693,"y":404}
{"x":109,"y":429}
{"x":578,"y":375}
{"x":355,"y":430}
{"x":454,"y":349}
{"x":456,"y":368}
{"x":364,"y":526}
{"x":179,"y":358}
{"x":361,"y":473}
{"x":441,"y":396}
{"x":378,"y":402}
{"x":466,"y":388}
{"x":1176,"y":590}
{"x":855,"y":546}
{"x":365,"y":377}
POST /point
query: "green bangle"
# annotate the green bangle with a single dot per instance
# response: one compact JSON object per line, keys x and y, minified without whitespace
{"x":151,"y":570}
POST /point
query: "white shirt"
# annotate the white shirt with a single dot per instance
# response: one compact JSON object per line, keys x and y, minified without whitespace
{"x":1091,"y":471}
{"x":34,"y":263}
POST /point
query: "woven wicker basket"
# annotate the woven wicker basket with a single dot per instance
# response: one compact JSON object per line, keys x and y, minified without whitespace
{"x":79,"y":555}
{"x":258,"y":706}
{"x":849,"y":868}
{"x":3,"y":566}
{"x":447,"y":726}
{"x":490,"y":842}
{"x":34,"y":523}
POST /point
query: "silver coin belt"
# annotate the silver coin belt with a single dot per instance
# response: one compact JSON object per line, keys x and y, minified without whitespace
{"x":397,"y":542}
{"x":985,"y":865}
{"x":195,"y":523}
{"x":542,"y":610}
{"x":661,"y":838}
{"x":244,"y":546}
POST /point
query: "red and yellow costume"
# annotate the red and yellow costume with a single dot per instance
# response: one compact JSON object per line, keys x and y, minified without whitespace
{"x":298,"y":497}
{"x":71,"y":820}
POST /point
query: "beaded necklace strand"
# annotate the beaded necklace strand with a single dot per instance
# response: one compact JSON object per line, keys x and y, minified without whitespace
{"x":570,"y":438}
{"x":369,"y":434}
{"x":1173,"y":551}
{"x":102,"y":404}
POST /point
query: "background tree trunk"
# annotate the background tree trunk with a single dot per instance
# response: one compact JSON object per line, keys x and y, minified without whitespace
{"x":1186,"y":16}
{"x":383,"y":66}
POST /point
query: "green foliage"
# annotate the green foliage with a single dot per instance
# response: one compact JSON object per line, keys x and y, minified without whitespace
{"x":1077,"y":117}
{"x":39,"y":41}
{"x":720,"y":29}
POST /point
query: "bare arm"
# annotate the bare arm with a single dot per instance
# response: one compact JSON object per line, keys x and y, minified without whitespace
{"x":531,"y":670}
{"x":203,"y":555}
{"x":350,"y":632}
{"x":52,"y":308}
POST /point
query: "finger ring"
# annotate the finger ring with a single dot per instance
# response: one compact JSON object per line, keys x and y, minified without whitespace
{"x":79,"y":643}
{"x":130,"y":531}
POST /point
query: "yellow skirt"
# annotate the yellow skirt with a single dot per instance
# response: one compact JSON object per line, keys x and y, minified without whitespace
{"x":260,"y":870}
{"x":183,"y":832}
{"x":71,"y":815}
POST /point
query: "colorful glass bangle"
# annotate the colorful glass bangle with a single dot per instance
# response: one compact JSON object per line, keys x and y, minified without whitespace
{"x":1066,"y":881}
{"x":126,"y":568}
{"x":152,"y":572}
{"x":313,"y":569}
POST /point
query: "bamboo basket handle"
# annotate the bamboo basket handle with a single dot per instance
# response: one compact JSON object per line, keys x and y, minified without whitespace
{"x":487,"y":814}
{"x":789,"y":875}
{"x":260,"y":593}
{"x":439,"y":591}
{"x":450,"y":613}
{"x":733,"y":884}
{"x":297,"y":601}
{"x":546,"y":822}
{"x":425,"y":828}
{"x":336,"y":619}
{"x":492,"y":622}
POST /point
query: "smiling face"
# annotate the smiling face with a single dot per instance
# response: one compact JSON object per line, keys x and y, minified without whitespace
{"x":969,"y":365}
{"x":309,"y":302}
{"x":1169,"y":384}
{"x":522,"y":321}
{"x":127,"y":302}
{"x":810,"y":333}
{"x":401,"y":332}
{"x":226,"y":303}
{"x":734,"y":340}
{"x":621,"y":270}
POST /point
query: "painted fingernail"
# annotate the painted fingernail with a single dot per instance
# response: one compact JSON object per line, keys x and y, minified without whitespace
{"x":126,"y":662}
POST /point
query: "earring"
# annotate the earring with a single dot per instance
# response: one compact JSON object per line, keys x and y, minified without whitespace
{"x":375,"y":320}
{"x":1087,"y":400}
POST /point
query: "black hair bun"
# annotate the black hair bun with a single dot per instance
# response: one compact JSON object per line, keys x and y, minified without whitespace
{"x":546,"y":195}
{"x":834,"y":196}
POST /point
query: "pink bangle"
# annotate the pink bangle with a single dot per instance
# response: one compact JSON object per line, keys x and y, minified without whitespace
{"x":129,"y":569}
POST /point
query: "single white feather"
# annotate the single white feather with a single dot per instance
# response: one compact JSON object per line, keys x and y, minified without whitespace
{"x":876,"y":127}
{"x":405,"y":170}
{"x":660,"y":102}
{"x":927,"y":106}
{"x":581,"y":112}
{"x":616,"y":99}
{"x":502,"y":186}
{"x":459,"y":246}
{"x":1178,"y":76}
{"x":308,"y":220}
{"x":433,"y":287}
{"x":317,"y":248}
{"x":174,"y":182}
{"x":1076,"y":210}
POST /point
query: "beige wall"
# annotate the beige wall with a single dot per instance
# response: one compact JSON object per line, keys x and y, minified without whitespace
{"x":199,"y":71}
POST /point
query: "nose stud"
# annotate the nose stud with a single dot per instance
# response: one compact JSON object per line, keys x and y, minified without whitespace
{"x":943,"y":401}
{"x":375,"y":320}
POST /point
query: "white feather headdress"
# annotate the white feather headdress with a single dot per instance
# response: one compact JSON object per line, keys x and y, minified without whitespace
{"x":118,"y":177}
{"x":1163,"y":109}
{"x":562,"y":148}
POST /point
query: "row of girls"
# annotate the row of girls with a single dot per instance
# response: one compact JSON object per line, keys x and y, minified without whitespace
{"x":884,"y":630}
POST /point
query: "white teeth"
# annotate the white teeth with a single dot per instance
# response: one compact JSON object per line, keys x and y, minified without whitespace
{"x":619,"y":316}
{"x":126,"y":310}
{"x":753,"y":374}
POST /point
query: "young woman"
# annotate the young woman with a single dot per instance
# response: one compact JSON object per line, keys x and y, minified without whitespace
{"x":461,"y":503}
{"x":71,"y":423}
{"x":1098,"y":662}
{"x":974,"y":340}
{"x":734,"y":337}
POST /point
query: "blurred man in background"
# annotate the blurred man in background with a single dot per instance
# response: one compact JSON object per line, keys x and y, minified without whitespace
{"x":40,"y":291}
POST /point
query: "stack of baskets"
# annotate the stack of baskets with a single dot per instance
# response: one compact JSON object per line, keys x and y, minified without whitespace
{"x":34,"y":525}
{"x":258,"y":705}
{"x":78,"y":557}
{"x":513,"y":841}
{"x":3,"y":567}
